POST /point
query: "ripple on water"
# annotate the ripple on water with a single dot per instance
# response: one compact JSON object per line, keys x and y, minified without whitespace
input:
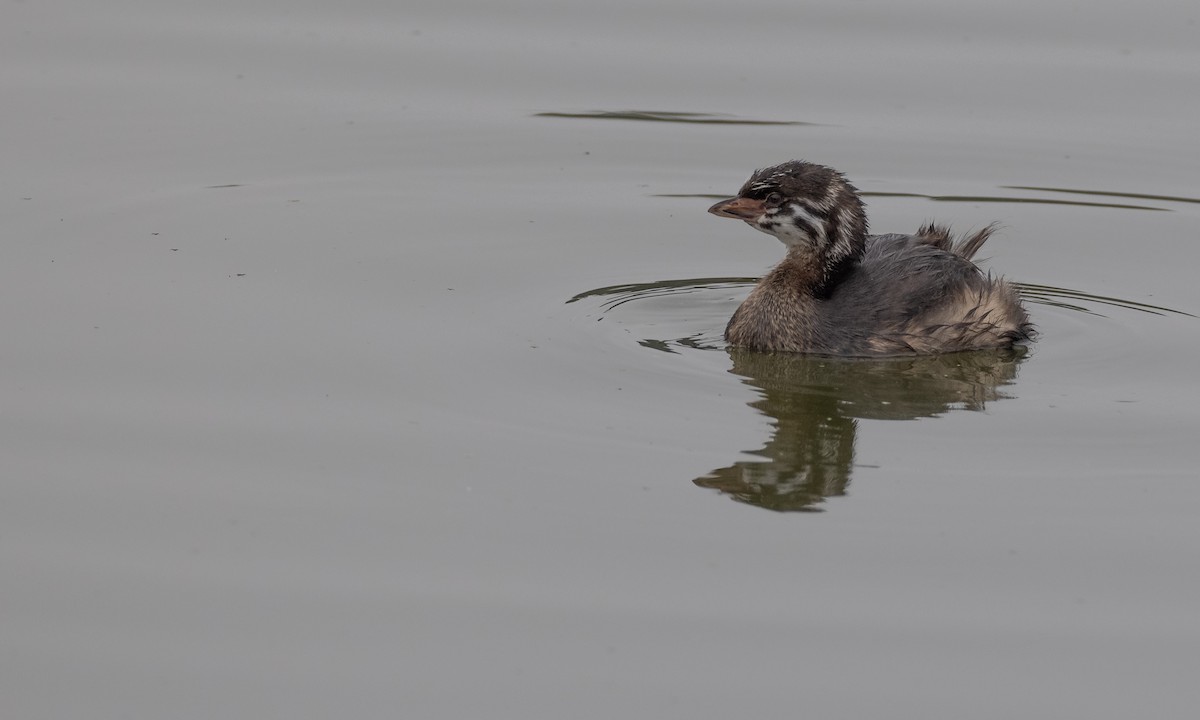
{"x":666,"y":116}
{"x":670,"y":315}
{"x":690,"y":313}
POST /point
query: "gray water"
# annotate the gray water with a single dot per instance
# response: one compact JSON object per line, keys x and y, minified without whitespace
{"x":365,"y":360}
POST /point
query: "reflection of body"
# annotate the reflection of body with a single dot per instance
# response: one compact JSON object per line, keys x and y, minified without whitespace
{"x":816,"y":403}
{"x":841,"y":292}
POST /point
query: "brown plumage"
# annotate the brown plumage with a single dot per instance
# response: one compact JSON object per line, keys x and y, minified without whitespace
{"x":840,"y":291}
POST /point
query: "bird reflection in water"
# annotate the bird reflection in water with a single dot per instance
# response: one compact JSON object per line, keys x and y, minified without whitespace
{"x":816,"y":404}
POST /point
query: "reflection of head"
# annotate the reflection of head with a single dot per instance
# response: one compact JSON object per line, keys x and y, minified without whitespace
{"x":815,"y":402}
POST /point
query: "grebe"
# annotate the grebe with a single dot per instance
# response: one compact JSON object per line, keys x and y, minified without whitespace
{"x":840,"y":291}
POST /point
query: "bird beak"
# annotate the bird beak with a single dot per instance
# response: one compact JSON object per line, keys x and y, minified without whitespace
{"x":739,"y":208}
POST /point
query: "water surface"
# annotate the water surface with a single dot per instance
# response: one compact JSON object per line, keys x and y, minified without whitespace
{"x":299,"y":420}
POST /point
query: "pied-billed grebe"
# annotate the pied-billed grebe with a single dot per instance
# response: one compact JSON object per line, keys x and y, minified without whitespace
{"x":840,"y":291}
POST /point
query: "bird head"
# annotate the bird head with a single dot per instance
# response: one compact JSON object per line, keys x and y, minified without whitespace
{"x":810,"y":208}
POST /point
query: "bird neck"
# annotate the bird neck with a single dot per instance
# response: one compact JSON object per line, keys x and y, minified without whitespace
{"x":835,"y":246}
{"x":808,"y":272}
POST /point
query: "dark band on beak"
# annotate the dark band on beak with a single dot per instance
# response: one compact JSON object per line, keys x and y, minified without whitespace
{"x":739,"y":208}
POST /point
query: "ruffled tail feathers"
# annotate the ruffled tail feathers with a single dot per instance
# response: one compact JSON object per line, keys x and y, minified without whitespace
{"x":940,"y":237}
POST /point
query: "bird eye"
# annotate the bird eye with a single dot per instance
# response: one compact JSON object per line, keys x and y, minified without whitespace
{"x":774,"y":200}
